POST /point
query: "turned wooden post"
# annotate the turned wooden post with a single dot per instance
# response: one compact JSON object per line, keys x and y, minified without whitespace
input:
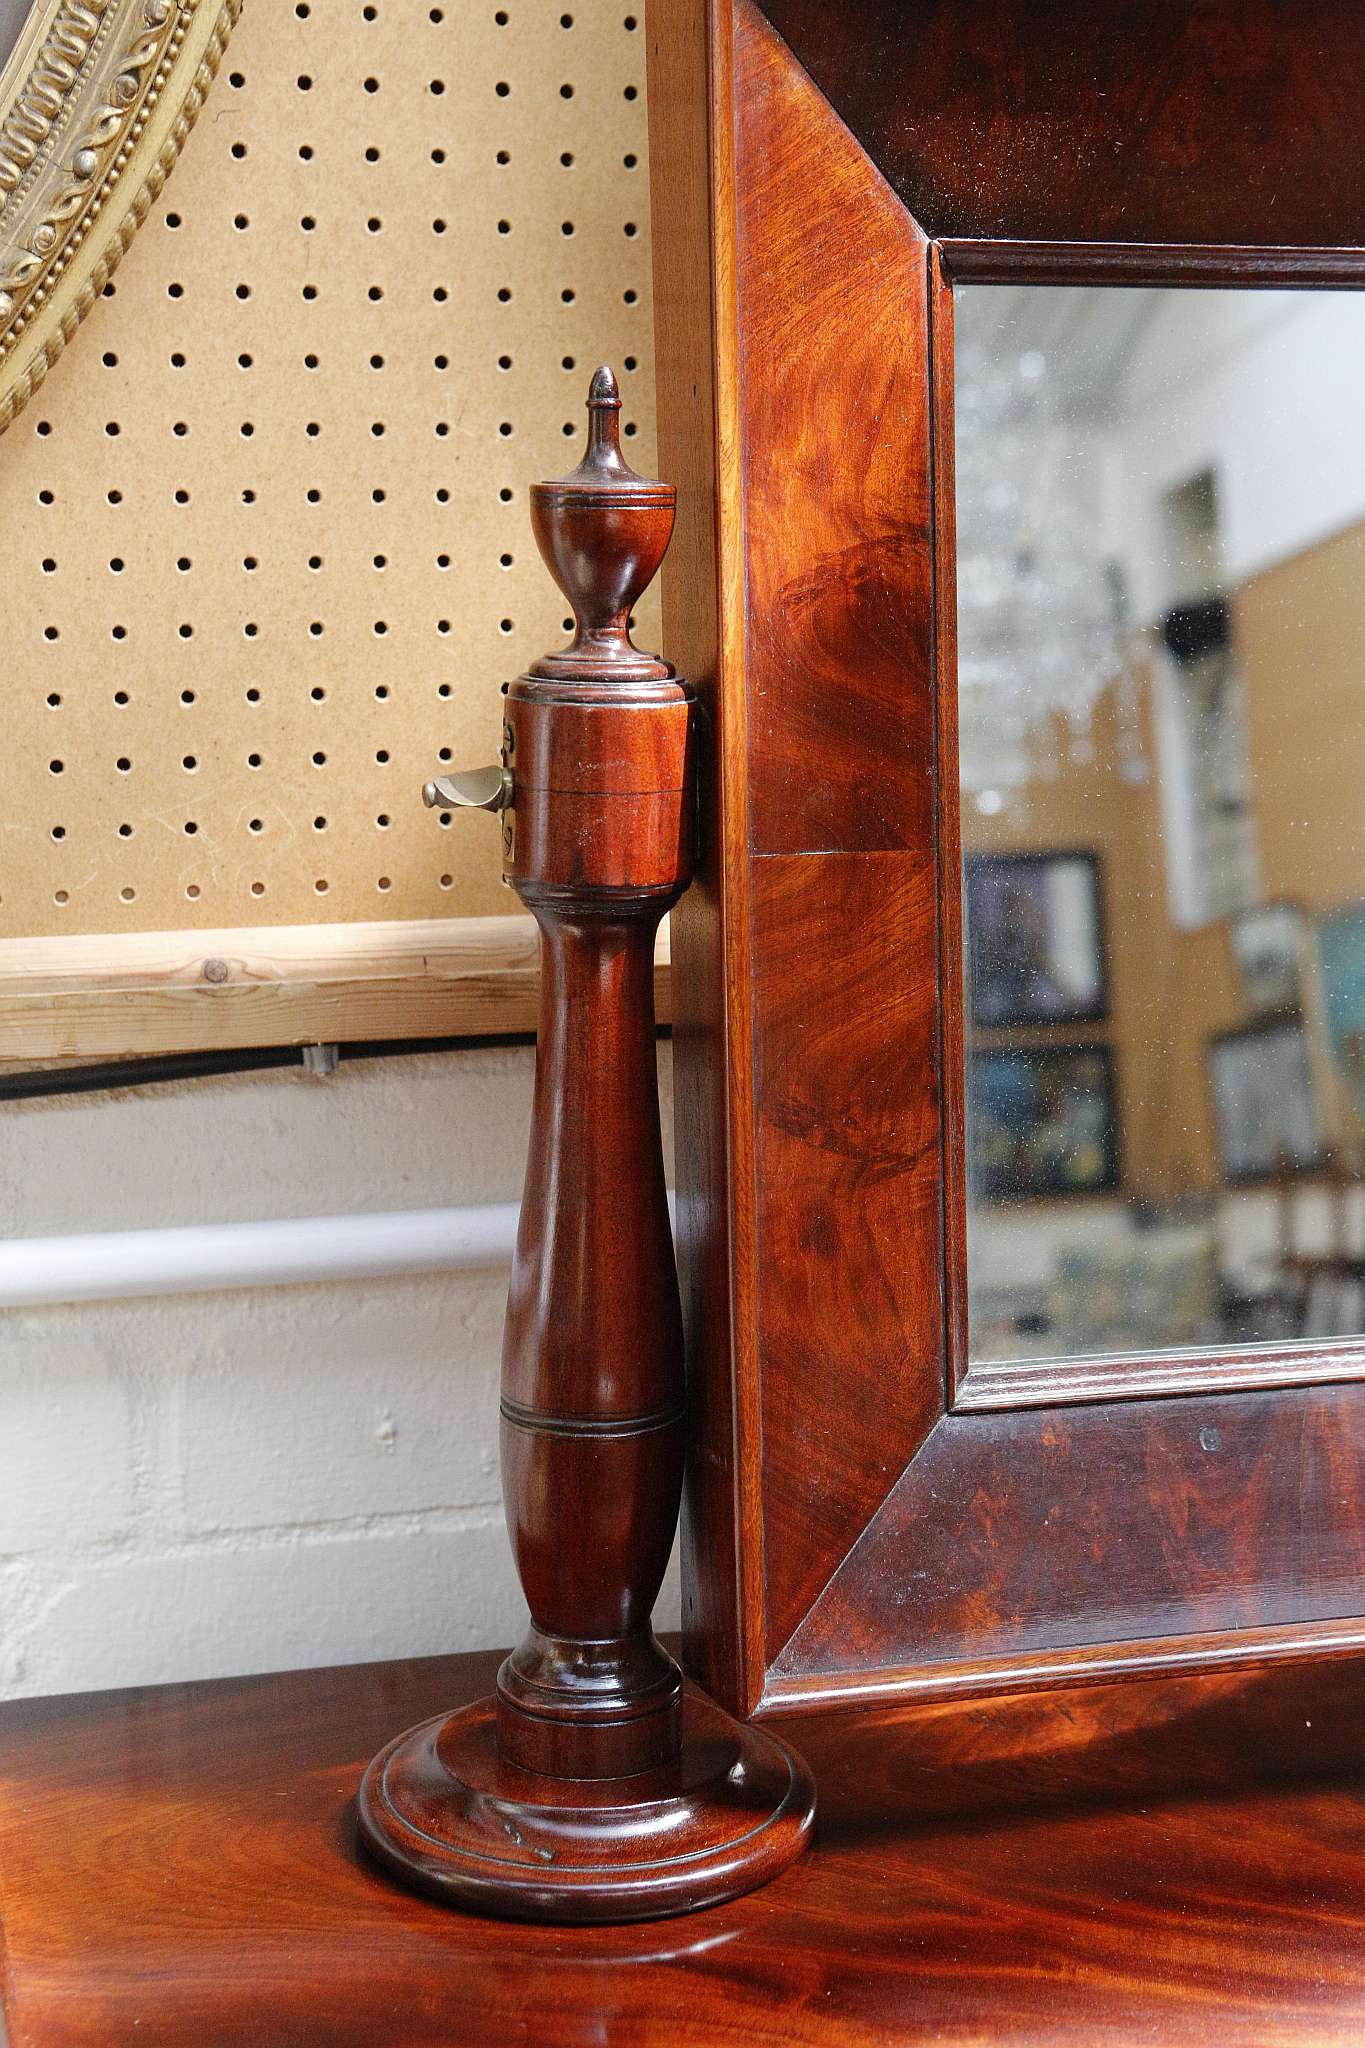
{"x":583,"y":1790}
{"x":598,"y":740}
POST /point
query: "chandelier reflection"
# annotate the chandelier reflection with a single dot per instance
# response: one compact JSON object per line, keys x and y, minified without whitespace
{"x":1042,"y":631}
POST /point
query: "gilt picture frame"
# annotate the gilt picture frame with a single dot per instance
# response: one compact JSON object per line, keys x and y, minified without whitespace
{"x":1043,"y":1122}
{"x":1269,"y":944}
{"x":1035,"y":943}
{"x":1265,"y":1111}
{"x":96,"y":100}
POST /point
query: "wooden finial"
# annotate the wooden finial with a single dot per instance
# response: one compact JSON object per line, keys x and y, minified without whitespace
{"x":603,"y":463}
{"x":603,"y":531}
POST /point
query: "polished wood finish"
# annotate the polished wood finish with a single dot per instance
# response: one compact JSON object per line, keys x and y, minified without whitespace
{"x":692,"y":145}
{"x":1040,"y":1529}
{"x":838,"y":680}
{"x":1228,"y":121}
{"x":729,"y":1809}
{"x":842,"y":1132}
{"x":1175,"y":1861}
{"x":872,"y":1516}
{"x":1145,"y":263}
{"x":837,"y":664}
{"x":819,"y":688}
{"x":577,"y":1793}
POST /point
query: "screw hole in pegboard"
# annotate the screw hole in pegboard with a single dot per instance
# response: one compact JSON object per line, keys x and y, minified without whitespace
{"x":435,"y":256}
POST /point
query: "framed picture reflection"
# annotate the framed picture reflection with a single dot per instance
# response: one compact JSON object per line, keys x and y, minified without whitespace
{"x":1034,"y":937}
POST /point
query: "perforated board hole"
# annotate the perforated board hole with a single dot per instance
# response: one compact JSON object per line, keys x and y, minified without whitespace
{"x":429,"y":299}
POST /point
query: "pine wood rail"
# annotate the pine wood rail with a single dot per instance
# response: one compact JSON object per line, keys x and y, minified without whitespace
{"x":115,"y":996}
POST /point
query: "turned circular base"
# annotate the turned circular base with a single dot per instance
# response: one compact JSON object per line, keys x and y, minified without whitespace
{"x":444,"y":1814}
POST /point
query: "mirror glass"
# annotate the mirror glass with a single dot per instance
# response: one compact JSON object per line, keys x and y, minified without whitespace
{"x":1161,"y":696}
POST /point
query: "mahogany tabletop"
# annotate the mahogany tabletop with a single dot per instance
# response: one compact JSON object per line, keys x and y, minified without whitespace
{"x":1166,"y":1860}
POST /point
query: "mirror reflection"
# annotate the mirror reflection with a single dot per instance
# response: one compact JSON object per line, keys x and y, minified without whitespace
{"x":1161,"y":693}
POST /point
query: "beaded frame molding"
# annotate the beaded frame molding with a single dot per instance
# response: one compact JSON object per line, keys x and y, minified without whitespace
{"x":95,"y":103}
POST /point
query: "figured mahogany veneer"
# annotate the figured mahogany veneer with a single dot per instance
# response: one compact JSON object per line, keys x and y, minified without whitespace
{"x":864,"y":1516}
{"x":1176,"y":1862}
{"x":582,"y":1790}
{"x":1224,"y":121}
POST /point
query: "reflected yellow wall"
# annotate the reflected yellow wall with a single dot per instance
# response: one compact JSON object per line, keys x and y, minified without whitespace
{"x":1167,"y":990}
{"x":1300,"y":637}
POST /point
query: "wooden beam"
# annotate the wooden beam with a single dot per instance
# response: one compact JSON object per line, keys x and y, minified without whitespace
{"x":111,"y":997}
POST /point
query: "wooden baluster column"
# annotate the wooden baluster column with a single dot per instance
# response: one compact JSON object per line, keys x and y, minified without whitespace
{"x":589,"y":1788}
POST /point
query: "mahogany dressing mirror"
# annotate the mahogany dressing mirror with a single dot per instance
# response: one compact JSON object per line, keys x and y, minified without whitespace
{"x":1006,"y":364}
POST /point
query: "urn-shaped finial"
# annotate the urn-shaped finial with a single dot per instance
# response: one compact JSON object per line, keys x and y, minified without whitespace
{"x":602,"y":531}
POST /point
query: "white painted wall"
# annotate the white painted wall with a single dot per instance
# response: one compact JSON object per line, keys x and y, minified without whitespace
{"x":199,"y":1485}
{"x":1264,"y":389}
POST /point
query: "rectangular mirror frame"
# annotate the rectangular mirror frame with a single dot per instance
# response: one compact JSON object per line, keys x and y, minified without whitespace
{"x":866,"y":1519}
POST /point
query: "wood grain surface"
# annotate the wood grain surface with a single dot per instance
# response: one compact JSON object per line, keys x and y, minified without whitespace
{"x":1088,"y":121}
{"x":1042,"y":1529}
{"x":832,"y":304}
{"x":692,"y":169}
{"x":1172,"y":1862}
{"x":847,"y":1136}
{"x":808,"y":633}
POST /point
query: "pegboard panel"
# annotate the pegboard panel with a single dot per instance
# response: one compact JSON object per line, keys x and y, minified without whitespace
{"x":267,"y":549}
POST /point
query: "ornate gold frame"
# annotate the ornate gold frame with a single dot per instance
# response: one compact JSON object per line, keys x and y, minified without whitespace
{"x":95,"y":104}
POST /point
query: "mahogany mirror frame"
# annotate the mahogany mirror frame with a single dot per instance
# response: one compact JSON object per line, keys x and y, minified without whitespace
{"x":867,"y":1519}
